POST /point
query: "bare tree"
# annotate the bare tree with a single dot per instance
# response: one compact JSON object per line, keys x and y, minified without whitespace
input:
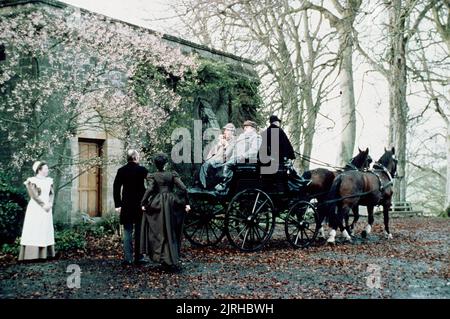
{"x":404,"y":18}
{"x":343,"y":22}
{"x":441,"y":17}
{"x":290,"y":45}
{"x":433,"y":73}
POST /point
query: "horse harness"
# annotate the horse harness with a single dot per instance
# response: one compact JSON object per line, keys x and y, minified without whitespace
{"x":382,"y":168}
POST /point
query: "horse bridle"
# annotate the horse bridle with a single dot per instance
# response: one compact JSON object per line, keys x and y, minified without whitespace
{"x":388,"y":174}
{"x":352,"y":166}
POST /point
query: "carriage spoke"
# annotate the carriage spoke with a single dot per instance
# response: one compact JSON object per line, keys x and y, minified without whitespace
{"x":263,"y":230}
{"x":218,"y":209}
{"x":296,"y":237}
{"x":257,"y":233}
{"x":195,"y":231}
{"x":193,"y":223}
{"x":294,"y":221}
{"x":201,"y":227}
{"x":308,"y":229}
{"x":236,"y":218}
{"x":301,"y":224}
{"x":256,"y":201}
{"x":219,"y":226}
{"x":304,"y":231}
{"x":249,"y":220}
{"x":201,"y":233}
{"x":207,"y":233}
{"x":262,"y":205}
{"x":214,"y":233}
{"x":252,"y":235}
{"x":240,"y":233}
{"x":245,"y":237}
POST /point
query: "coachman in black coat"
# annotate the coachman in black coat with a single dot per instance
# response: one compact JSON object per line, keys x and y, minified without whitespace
{"x":285,"y":149}
{"x":285,"y":152}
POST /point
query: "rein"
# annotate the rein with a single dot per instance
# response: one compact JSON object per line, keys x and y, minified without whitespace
{"x":352,"y":166}
{"x":318,"y":162}
{"x":383,"y":168}
{"x":382,"y":186}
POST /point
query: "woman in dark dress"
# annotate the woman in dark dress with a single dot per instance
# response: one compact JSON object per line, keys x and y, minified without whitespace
{"x":162,"y":221}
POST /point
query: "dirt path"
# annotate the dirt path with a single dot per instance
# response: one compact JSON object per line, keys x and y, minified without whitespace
{"x":415,"y":264}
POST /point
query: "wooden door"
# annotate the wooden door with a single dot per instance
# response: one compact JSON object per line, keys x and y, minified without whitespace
{"x":89,"y":180}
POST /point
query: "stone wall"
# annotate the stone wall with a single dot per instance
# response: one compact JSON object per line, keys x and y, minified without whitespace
{"x":215,"y":107}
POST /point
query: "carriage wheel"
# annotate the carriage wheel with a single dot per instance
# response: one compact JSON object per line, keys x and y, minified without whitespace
{"x":301,"y":224}
{"x":250,"y":220}
{"x":204,"y":224}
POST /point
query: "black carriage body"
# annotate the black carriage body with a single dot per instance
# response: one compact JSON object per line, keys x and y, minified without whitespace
{"x":248,"y":212}
{"x":276,"y":185}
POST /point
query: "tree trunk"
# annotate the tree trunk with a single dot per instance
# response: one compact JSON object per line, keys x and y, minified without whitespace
{"x":348,"y":116}
{"x":62,"y":153}
{"x":447,"y":188}
{"x":397,"y":96}
{"x":308,"y":132}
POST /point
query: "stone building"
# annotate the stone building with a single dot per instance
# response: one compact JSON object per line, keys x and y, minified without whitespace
{"x":90,"y":192}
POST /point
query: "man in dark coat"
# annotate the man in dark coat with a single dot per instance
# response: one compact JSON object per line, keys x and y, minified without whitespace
{"x":129,"y":188}
{"x":279,"y":153}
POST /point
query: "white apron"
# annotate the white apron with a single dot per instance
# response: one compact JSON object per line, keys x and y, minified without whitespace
{"x":38,"y":224}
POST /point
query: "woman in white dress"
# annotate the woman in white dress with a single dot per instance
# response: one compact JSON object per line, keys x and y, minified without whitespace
{"x":38,"y":240}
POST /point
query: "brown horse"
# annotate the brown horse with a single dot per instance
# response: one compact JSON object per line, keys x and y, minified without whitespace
{"x":353,"y":188}
{"x":322,"y":180}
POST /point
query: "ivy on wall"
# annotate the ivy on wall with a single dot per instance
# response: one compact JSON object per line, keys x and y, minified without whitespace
{"x":224,"y":87}
{"x":225,"y":83}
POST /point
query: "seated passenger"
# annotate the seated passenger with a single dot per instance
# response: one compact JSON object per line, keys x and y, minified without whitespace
{"x":246,"y":150}
{"x":221,"y":152}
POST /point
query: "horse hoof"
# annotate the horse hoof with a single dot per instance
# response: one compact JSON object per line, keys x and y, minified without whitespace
{"x":347,"y":237}
{"x":364,"y":234}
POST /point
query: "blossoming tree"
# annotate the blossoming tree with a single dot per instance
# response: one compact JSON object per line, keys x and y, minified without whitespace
{"x":67,"y":71}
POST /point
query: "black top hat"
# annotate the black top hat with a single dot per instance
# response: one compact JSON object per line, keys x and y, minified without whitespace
{"x":274,"y":118}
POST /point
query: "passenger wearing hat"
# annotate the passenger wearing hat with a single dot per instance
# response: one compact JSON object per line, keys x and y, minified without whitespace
{"x":38,"y":240}
{"x":219,"y":153}
{"x":282,"y":151}
{"x":248,"y":143}
{"x":246,"y":150}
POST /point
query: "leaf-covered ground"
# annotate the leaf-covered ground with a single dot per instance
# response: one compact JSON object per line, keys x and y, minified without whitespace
{"x":415,"y":264}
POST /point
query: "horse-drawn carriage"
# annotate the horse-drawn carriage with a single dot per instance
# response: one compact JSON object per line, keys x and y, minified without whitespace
{"x":248,"y":212}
